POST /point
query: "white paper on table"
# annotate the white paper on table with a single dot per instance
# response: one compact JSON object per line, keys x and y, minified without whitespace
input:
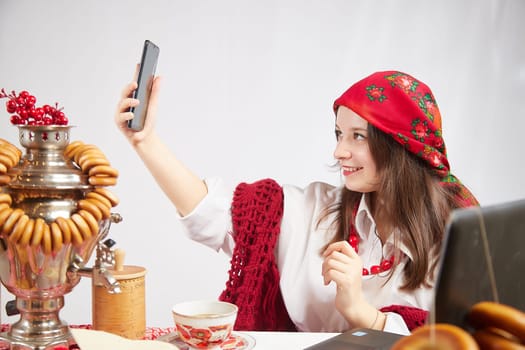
{"x":88,"y":339}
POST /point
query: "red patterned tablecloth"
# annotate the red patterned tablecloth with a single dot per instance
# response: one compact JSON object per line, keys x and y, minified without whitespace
{"x":152,"y":333}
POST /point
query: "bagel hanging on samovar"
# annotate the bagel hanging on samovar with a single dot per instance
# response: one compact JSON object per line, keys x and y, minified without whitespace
{"x":9,"y":157}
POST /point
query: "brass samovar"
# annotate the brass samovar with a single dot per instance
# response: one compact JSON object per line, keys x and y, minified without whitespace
{"x":42,"y":212}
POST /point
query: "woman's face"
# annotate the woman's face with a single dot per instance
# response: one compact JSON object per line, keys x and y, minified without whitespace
{"x":352,"y":152}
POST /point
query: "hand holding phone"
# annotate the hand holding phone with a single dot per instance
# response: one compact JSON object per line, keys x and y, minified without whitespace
{"x":148,"y":64}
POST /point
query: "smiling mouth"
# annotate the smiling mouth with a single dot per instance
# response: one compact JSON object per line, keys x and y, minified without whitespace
{"x":348,"y":170}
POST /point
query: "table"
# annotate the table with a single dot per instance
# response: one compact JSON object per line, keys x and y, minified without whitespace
{"x":263,"y":340}
{"x":287,"y":340}
{"x":270,"y":340}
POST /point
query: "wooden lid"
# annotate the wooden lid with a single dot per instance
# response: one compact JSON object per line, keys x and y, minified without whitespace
{"x":121,"y":271}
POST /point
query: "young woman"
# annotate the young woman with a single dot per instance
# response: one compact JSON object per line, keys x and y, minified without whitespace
{"x":327,"y":258}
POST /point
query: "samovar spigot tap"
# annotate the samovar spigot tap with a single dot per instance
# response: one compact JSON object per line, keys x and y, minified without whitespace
{"x":99,"y":273}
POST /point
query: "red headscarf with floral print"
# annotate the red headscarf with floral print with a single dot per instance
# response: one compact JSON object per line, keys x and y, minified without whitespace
{"x":404,"y":108}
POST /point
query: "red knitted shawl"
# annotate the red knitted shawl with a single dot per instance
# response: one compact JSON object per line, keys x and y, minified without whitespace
{"x":253,"y":283}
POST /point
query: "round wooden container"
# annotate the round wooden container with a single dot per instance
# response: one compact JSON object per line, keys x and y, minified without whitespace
{"x":123,"y":313}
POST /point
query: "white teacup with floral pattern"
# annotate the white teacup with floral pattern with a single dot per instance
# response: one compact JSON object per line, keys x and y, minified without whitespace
{"x":204,"y":324}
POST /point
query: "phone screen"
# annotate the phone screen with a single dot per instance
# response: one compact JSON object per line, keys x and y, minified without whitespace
{"x":148,"y":64}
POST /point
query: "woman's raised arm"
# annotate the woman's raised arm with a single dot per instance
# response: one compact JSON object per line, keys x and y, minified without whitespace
{"x":180,"y":184}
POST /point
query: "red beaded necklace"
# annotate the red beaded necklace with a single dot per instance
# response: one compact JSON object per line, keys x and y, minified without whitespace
{"x":384,"y":265}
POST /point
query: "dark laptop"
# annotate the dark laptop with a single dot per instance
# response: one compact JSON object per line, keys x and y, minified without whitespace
{"x":483,"y":258}
{"x":358,"y":339}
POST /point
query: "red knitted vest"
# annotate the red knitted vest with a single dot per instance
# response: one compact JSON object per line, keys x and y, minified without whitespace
{"x":253,"y":283}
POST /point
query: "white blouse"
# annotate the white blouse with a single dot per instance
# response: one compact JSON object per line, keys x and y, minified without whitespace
{"x":310,"y":304}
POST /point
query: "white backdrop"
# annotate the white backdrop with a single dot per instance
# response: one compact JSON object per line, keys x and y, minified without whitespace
{"x":247,"y":93}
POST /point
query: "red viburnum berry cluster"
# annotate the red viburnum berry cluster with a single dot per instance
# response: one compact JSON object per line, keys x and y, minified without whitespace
{"x":24,"y":111}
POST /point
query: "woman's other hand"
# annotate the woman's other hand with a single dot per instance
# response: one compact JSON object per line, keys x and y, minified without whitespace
{"x":343,"y":266}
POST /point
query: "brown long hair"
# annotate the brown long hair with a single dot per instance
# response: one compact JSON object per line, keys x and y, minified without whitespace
{"x":413,"y":203}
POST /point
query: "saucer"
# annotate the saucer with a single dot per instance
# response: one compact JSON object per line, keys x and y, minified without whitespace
{"x":236,"y":341}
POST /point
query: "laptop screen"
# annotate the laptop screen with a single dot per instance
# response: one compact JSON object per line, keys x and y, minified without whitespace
{"x":483,"y":258}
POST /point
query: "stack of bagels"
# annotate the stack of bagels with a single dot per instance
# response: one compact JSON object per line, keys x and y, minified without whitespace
{"x":495,"y":326}
{"x":21,"y":229}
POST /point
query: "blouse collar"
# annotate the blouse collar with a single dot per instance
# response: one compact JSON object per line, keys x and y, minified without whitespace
{"x":365,"y":226}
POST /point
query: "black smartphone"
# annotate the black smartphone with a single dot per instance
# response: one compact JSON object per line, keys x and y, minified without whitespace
{"x":148,"y":64}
